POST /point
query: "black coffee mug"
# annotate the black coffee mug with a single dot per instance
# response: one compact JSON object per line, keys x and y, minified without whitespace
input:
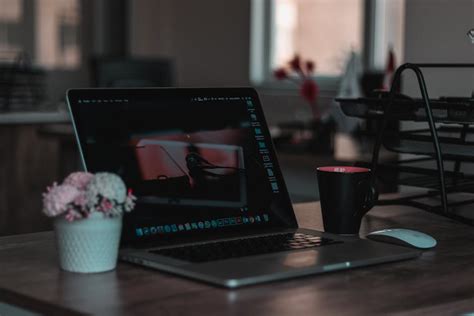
{"x":346,"y":195}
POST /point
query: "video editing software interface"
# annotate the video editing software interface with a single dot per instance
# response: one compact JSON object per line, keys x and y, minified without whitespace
{"x":196,"y":163}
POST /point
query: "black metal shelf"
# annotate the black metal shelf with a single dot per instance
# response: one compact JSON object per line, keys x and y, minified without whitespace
{"x":453,"y":140}
{"x":445,"y":110}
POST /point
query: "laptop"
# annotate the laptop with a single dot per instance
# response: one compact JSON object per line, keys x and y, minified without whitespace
{"x":212,"y":203}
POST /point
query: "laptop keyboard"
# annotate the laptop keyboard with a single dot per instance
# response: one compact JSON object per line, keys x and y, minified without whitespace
{"x":248,"y":246}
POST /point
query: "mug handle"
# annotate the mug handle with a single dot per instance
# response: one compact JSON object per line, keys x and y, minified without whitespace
{"x":369,"y":196}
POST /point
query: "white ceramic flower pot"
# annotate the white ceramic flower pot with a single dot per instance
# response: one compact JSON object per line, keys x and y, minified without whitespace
{"x":88,"y":245}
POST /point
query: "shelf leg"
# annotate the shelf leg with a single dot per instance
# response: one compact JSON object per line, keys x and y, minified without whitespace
{"x":431,"y":123}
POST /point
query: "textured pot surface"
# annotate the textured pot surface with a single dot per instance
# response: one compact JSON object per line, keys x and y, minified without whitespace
{"x":88,"y":245}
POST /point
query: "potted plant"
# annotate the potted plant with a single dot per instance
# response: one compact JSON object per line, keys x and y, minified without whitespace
{"x":87,"y":211}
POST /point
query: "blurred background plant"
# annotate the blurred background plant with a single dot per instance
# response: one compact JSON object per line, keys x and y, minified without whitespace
{"x":301,"y":72}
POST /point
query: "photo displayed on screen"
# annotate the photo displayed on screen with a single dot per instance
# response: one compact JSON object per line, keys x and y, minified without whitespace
{"x":192,"y":169}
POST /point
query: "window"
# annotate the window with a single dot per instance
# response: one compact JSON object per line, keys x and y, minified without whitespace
{"x":325,"y":31}
{"x":321,"y":30}
{"x":47,"y":30}
{"x":57,"y":40}
{"x":10,"y":16}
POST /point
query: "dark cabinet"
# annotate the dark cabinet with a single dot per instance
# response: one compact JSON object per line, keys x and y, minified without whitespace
{"x":32,"y":156}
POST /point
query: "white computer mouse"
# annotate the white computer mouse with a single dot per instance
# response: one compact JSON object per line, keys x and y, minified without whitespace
{"x":404,"y":237}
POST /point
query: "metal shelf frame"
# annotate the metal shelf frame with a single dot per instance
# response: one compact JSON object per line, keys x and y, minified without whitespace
{"x":445,"y":208}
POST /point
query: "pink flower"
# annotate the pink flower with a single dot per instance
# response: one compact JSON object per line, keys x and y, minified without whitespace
{"x":72,"y":214}
{"x":81,"y":201}
{"x":58,"y":199}
{"x":79,"y":179}
{"x":106,"y":205}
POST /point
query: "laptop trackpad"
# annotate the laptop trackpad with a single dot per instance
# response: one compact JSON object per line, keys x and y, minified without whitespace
{"x":300,"y":259}
{"x":262,"y":265}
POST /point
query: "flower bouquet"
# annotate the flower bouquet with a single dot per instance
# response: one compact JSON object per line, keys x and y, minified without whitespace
{"x":88,"y":212}
{"x":315,"y":135}
{"x":301,"y":73}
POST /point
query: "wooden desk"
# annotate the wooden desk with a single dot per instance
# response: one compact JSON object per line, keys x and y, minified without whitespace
{"x":441,"y":281}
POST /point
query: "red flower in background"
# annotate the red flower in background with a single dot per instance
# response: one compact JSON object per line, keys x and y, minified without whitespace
{"x":389,"y":71}
{"x":280,"y":73}
{"x":309,"y":66}
{"x":309,"y":88}
{"x":295,"y":63}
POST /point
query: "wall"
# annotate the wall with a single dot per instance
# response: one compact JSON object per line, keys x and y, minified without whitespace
{"x":208,"y":39}
{"x":435,"y":31}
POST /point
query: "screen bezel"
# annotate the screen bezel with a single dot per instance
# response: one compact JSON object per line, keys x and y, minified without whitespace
{"x":73,"y":95}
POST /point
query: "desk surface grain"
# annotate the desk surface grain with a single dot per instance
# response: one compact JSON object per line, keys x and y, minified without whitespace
{"x":441,"y":281}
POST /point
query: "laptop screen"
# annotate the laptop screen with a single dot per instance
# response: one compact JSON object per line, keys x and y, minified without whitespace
{"x":199,"y":160}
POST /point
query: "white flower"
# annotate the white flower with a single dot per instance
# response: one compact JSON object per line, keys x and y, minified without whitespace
{"x":105,"y":185}
{"x":58,"y":199}
{"x":79,"y":179}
